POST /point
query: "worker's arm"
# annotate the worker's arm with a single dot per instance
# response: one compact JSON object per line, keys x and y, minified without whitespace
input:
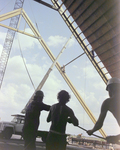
{"x":49,"y":116}
{"x":46,"y":107}
{"x":101,"y":118}
{"x":72,"y":119}
{"x":69,"y":120}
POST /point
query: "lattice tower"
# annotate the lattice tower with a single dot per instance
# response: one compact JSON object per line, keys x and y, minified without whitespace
{"x":9,"y":41}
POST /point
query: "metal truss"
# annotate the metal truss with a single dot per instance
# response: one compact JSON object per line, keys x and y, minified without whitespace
{"x":48,"y":51}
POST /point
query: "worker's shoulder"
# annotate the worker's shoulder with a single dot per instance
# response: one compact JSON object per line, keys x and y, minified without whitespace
{"x":63,"y":106}
{"x":108,"y":100}
{"x":68,"y":108}
{"x":106,"y":103}
{"x":54,"y":106}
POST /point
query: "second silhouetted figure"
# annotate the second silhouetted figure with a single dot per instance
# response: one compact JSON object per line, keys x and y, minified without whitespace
{"x":59,"y":115}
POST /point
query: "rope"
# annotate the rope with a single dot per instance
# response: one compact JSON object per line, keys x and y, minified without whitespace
{"x":25,"y":65}
{"x":33,"y":16}
{"x":92,"y":134}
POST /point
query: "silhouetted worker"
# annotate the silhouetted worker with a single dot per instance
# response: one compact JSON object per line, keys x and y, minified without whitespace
{"x":59,"y":115}
{"x":111,"y":104}
{"x":32,"y":120}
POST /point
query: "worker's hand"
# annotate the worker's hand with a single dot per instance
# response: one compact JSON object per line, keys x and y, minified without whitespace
{"x":89,"y":132}
{"x":69,"y":120}
{"x":112,"y":139}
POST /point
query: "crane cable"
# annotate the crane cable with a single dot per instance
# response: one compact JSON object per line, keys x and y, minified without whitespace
{"x":33,"y":16}
{"x":25,"y":64}
{"x":22,"y":53}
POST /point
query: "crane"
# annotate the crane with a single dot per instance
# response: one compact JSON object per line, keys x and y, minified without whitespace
{"x":14,"y":22}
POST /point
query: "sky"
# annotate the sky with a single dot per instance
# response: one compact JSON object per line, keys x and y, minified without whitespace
{"x":17,"y":88}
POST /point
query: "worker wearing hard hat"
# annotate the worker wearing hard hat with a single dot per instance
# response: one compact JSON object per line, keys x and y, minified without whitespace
{"x":111,"y":104}
{"x":32,"y":120}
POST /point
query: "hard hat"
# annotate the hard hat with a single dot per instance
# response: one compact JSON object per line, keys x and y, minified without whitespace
{"x":113,"y":80}
{"x":39,"y":93}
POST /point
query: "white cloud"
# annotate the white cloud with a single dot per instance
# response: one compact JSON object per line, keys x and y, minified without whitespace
{"x":74,"y":66}
{"x":2,"y":36}
{"x":1,"y":48}
{"x":44,"y":58}
{"x":17,"y":88}
{"x":78,"y":77}
{"x":71,"y":42}
{"x":99,"y":85}
{"x":56,"y":40}
{"x":25,"y":42}
{"x":35,"y":56}
{"x":90,"y":72}
{"x":60,"y":40}
{"x":16,"y":71}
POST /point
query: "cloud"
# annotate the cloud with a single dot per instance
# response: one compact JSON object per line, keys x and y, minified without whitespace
{"x":71,"y":42}
{"x":44,"y":58}
{"x":56,"y":40}
{"x":74,"y":66}
{"x":17,"y":88}
{"x":2,"y":36}
{"x":26,"y":42}
{"x":90,"y":72}
{"x":1,"y":48}
{"x":16,"y":71}
{"x":100,"y":85}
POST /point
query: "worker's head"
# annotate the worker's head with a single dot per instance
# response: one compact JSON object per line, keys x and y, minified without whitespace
{"x":63,"y":97}
{"x":39,"y":95}
{"x":113,"y":86}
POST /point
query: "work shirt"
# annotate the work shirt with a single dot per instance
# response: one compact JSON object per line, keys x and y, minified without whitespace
{"x":33,"y":113}
{"x":58,"y":115}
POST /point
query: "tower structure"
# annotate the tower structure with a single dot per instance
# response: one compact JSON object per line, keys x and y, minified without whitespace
{"x":14,"y":22}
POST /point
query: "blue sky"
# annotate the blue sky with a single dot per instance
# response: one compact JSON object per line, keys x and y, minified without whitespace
{"x":16,"y":87}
